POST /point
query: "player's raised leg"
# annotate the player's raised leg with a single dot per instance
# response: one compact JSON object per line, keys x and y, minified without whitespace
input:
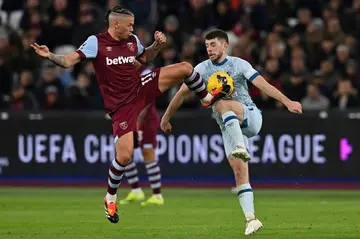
{"x":124,"y":148}
{"x":174,"y":74}
{"x":232,"y":113}
{"x":136,"y":194}
{"x":154,"y":175}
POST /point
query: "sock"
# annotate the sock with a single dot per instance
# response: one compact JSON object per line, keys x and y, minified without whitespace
{"x":246,"y":198}
{"x":111,"y":198}
{"x":116,"y":172}
{"x":233,"y":129}
{"x":137,"y":190}
{"x":131,"y":174}
{"x":158,"y":196}
{"x":154,"y":174}
{"x":198,"y":86}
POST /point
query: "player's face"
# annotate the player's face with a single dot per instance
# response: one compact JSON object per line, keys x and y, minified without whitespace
{"x":215,"y":48}
{"x":124,"y":27}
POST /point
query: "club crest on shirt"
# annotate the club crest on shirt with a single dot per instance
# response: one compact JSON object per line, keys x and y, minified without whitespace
{"x":131,"y":46}
{"x":123,"y":125}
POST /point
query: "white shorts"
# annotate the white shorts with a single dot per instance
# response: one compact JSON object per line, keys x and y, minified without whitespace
{"x":252,"y":121}
{"x":250,"y":127}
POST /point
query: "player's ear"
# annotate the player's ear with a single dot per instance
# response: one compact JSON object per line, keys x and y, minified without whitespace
{"x":226,"y":45}
{"x":116,"y":24}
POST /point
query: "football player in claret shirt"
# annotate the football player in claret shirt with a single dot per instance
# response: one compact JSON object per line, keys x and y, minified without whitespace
{"x":126,"y":93}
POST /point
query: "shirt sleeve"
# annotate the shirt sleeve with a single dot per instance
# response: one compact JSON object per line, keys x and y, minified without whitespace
{"x":247,"y":70}
{"x":199,"y":68}
{"x":89,"y":48}
{"x":146,"y":71}
{"x":140,"y":47}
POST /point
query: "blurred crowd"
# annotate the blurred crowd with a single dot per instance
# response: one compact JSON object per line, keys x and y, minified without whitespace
{"x":309,"y":49}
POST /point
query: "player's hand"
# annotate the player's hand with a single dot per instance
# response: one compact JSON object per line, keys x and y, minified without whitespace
{"x":160,"y":38}
{"x":294,"y":107}
{"x":42,"y":50}
{"x":165,"y":126}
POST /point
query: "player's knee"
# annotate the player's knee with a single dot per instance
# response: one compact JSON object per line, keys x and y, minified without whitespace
{"x":186,"y":68}
{"x":222,"y":106}
{"x":123,"y":156}
{"x":123,"y":160}
{"x":148,"y":154}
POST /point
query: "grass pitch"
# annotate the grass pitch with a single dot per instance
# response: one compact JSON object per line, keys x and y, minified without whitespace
{"x":41,"y":213}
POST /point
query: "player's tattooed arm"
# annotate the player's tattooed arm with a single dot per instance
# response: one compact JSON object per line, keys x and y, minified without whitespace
{"x":153,"y":50}
{"x":57,"y":59}
{"x":150,"y":53}
{"x":63,"y":61}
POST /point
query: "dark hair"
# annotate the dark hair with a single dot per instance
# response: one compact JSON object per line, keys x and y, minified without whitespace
{"x":312,"y":83}
{"x":119,"y":10}
{"x":217,"y":33}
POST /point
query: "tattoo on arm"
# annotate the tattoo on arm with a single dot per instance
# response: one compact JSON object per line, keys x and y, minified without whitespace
{"x":152,"y":51}
{"x":155,"y":47}
{"x":58,"y":60}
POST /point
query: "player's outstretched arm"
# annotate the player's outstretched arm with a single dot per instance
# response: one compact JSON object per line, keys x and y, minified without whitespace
{"x":175,"y":103}
{"x":151,"y":51}
{"x":263,"y":85}
{"x":63,"y":61}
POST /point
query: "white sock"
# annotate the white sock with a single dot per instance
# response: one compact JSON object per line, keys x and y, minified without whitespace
{"x":207,"y":98}
{"x":110,"y":198}
{"x":137,"y":190}
{"x":158,"y":196}
{"x":233,"y":129}
{"x":246,"y":198}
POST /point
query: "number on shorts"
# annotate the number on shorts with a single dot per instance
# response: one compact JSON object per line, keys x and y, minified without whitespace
{"x":140,"y":135}
{"x":146,"y":78}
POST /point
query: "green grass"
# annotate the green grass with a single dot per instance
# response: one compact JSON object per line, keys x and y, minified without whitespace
{"x":189,"y":213}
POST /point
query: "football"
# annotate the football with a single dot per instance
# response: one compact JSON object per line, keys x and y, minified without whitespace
{"x":218,"y":80}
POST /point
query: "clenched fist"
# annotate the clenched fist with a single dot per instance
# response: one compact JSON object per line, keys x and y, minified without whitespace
{"x":294,"y":107}
{"x":160,"y":38}
{"x":165,"y":126}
